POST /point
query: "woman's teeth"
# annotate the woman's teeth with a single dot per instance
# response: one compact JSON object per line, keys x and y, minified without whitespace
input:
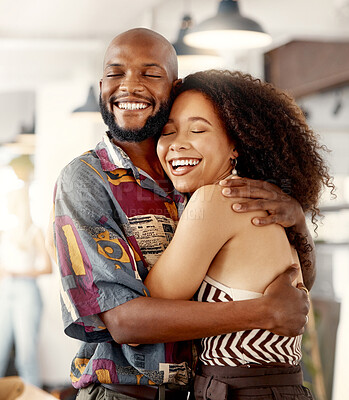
{"x":183,"y":163}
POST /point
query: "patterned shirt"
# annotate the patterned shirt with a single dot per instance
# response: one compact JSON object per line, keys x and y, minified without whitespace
{"x":256,"y":346}
{"x":112,"y":222}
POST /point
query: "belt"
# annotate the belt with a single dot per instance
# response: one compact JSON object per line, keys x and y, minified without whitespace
{"x":148,"y":392}
{"x":217,"y":382}
{"x":268,"y":376}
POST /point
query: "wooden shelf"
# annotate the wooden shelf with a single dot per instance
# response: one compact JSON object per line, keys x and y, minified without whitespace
{"x":306,"y":67}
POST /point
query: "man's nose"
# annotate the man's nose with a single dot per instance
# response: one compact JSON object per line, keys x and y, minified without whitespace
{"x":131,"y":83}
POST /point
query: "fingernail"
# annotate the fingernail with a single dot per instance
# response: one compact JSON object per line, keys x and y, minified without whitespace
{"x":255,"y":221}
{"x":223,"y":182}
{"x":226,"y":191}
{"x":236,"y":207}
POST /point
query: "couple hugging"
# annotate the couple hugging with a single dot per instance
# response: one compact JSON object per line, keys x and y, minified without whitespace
{"x":198,"y":191}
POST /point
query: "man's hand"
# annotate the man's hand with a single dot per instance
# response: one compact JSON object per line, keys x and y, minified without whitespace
{"x":282,"y":209}
{"x":288,"y":305}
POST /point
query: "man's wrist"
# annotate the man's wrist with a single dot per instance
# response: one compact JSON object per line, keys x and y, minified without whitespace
{"x":255,"y":314}
{"x":266,"y":317}
{"x":300,"y":225}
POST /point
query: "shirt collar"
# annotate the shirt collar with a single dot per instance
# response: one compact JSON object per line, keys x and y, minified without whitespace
{"x":112,"y":157}
{"x":116,"y":156}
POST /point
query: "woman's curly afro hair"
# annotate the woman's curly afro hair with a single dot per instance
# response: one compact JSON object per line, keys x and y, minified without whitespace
{"x":273,"y":140}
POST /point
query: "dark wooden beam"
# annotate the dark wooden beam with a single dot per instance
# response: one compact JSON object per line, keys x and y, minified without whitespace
{"x":307,"y":67}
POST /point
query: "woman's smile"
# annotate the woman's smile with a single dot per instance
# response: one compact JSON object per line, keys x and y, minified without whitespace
{"x":181,"y":166}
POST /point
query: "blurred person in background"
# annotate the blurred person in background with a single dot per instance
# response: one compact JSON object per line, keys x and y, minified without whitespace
{"x":23,"y":258}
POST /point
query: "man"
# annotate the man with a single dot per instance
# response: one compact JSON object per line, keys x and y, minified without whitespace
{"x":115,"y":212}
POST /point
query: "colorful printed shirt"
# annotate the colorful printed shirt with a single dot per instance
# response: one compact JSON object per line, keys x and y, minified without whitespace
{"x":112,"y":222}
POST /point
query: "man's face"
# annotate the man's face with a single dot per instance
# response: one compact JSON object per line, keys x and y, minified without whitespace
{"x":136,"y":84}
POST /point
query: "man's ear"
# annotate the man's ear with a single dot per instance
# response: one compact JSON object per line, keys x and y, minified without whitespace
{"x":100,"y":85}
{"x":176,"y":83}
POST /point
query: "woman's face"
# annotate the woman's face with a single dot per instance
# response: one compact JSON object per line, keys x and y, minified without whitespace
{"x":194,"y":148}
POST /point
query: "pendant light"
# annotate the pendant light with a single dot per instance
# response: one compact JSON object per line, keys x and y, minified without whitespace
{"x":193,"y":58}
{"x":228,"y":29}
{"x":90,"y":107}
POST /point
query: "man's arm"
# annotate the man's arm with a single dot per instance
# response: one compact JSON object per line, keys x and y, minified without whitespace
{"x":282,"y":310}
{"x":282,"y":209}
{"x":300,"y":232}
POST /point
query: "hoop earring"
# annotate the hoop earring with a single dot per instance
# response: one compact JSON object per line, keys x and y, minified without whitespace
{"x":234,"y":163}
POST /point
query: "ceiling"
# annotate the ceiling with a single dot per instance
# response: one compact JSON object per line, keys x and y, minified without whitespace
{"x":33,"y":33}
{"x":102,"y":19}
{"x":65,"y":19}
{"x":46,"y":40}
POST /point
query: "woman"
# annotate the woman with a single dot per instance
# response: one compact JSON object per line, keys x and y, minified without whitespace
{"x":221,"y":123}
{"x":23,"y":258}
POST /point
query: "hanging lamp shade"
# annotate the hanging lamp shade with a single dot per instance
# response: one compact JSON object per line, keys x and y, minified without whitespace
{"x":91,"y":105}
{"x":228,"y":29}
{"x":193,"y":58}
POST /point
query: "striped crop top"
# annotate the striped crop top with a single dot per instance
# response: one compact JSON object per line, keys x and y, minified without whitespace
{"x":256,"y":346}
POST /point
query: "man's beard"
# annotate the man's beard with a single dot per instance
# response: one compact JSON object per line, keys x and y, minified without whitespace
{"x":152,"y":127}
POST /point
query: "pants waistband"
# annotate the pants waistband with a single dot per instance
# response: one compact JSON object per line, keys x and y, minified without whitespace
{"x":148,"y":392}
{"x":257,"y":376}
{"x":214,"y":382}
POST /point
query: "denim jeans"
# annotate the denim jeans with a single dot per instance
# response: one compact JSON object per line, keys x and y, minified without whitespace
{"x":20,"y":315}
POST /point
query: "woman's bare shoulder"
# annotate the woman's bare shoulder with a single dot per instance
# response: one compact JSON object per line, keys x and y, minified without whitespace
{"x":208,"y":200}
{"x":212,"y":195}
{"x":209,"y":203}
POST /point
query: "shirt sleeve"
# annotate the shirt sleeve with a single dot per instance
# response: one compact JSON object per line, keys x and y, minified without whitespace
{"x":99,"y":268}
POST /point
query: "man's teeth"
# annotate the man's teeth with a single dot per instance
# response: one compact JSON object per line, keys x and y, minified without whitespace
{"x":132,"y":106}
{"x":180,"y":163}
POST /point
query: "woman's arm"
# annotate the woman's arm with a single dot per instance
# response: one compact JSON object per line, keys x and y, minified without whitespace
{"x":41,"y":257}
{"x":205,"y":226}
{"x":42,"y":253}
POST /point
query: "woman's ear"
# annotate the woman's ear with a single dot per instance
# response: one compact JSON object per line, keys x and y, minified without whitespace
{"x":234,"y":153}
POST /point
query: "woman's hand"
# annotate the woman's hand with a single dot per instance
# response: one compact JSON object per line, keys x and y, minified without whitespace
{"x":282,"y":209}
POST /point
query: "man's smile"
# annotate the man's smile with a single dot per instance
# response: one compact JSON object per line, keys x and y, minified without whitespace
{"x":128,"y":105}
{"x":131,"y":103}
